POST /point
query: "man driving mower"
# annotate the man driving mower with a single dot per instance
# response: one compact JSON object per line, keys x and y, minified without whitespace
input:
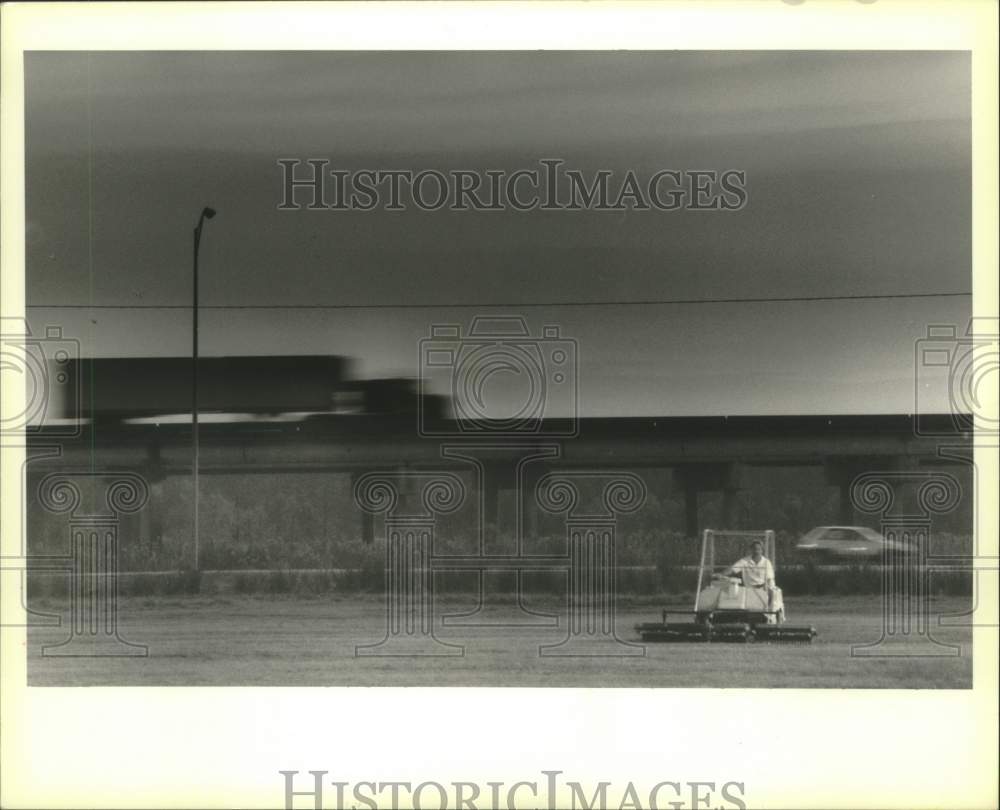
{"x":755,"y":571}
{"x":740,"y":603}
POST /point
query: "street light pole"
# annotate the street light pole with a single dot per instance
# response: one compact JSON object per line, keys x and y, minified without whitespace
{"x":206,"y":213}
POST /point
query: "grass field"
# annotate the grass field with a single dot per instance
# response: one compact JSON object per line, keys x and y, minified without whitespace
{"x":301,"y":641}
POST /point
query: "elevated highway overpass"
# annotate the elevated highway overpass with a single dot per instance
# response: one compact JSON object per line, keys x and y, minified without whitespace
{"x":706,"y":453}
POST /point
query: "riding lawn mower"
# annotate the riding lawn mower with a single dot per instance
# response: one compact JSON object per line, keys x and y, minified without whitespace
{"x":725,"y":607}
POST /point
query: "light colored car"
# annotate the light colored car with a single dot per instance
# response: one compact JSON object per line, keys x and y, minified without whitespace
{"x":846,"y":541}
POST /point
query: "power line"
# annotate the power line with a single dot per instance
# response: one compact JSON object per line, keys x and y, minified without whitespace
{"x":521,"y":304}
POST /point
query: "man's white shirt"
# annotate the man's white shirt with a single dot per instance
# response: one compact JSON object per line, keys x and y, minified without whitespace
{"x":755,"y":574}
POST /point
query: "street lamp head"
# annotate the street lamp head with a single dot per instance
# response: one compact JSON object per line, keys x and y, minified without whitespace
{"x":208,"y":213}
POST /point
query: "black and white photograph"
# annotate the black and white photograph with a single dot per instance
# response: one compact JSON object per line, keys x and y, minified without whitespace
{"x":604,"y":369}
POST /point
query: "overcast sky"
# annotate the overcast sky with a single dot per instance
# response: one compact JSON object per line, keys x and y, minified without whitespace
{"x":857,"y":170}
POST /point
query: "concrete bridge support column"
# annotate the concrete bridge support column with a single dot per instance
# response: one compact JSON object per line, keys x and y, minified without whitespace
{"x":841,"y":473}
{"x":501,"y":466}
{"x":494,"y":477}
{"x":729,"y":478}
{"x":150,"y":518}
{"x":528,"y":478}
{"x":493,"y":473}
{"x":367,"y":528}
{"x":845,"y":506}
